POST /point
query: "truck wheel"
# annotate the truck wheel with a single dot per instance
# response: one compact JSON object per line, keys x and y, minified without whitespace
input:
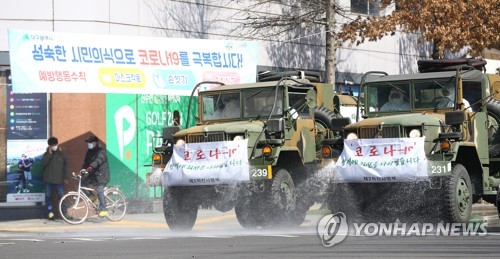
{"x":493,"y":108}
{"x":458,"y":196}
{"x":282,"y":197}
{"x":245,"y":215}
{"x":248,"y":209}
{"x":323,"y":121}
{"x":324,"y":116}
{"x":303,"y":202}
{"x":342,"y":198}
{"x":179,"y":209}
{"x":297,"y":217}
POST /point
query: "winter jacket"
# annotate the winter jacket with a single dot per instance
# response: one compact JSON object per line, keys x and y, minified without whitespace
{"x":54,"y":167}
{"x":98,"y":160}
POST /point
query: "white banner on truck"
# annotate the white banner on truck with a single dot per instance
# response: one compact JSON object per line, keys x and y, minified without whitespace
{"x":382,"y":160}
{"x":207,"y":163}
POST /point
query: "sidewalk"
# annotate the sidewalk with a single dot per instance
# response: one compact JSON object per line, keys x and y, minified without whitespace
{"x":12,"y":211}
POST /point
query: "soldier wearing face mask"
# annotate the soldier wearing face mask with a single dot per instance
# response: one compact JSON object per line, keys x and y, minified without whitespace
{"x":96,"y":164}
{"x":448,"y":99}
{"x":396,"y":101}
{"x":55,"y":173}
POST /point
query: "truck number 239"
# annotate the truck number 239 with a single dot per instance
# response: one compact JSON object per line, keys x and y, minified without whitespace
{"x":259,"y":172}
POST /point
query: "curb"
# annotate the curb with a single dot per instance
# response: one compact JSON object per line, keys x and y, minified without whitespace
{"x":38,"y":211}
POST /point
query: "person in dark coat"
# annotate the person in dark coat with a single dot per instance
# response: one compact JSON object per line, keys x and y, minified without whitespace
{"x":55,"y":173}
{"x":96,"y":164}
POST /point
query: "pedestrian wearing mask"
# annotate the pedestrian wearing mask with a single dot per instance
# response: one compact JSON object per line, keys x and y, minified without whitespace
{"x":96,"y":164}
{"x":55,"y":173}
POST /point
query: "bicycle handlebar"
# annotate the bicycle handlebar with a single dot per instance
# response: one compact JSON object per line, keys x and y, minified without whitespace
{"x":81,"y":173}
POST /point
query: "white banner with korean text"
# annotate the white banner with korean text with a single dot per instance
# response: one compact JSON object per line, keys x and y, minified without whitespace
{"x":56,"y":62}
{"x":382,"y":160}
{"x":207,"y":163}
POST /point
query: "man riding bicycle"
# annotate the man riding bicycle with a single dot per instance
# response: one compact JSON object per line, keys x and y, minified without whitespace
{"x":96,"y":164}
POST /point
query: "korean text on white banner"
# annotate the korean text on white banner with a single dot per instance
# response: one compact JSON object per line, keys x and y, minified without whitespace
{"x":207,"y":163}
{"x":54,"y":62}
{"x":382,"y":160}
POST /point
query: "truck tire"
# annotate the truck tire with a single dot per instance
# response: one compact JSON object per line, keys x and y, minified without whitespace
{"x":458,"y":196}
{"x":323,"y":122}
{"x":281,"y":198}
{"x":303,"y":201}
{"x":324,"y":116}
{"x":361,"y":204}
{"x":342,"y":198}
{"x":248,"y":209}
{"x":493,"y":108}
{"x":179,"y":209}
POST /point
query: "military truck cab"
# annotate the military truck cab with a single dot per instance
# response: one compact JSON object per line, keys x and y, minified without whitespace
{"x":254,"y":148}
{"x":455,"y":116}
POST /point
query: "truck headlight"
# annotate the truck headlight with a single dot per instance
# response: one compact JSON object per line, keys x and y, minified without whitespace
{"x":239,"y":137}
{"x":326,"y":151}
{"x":267,"y":150}
{"x":156,"y":159}
{"x":445,"y":145}
{"x":352,"y":136}
{"x":180,"y":142}
{"x":415,"y":133}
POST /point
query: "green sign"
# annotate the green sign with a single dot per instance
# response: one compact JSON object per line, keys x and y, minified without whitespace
{"x":134,"y":127}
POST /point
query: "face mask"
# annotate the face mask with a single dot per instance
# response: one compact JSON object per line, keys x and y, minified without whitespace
{"x":54,"y":148}
{"x":449,"y":93}
{"x":91,"y":145}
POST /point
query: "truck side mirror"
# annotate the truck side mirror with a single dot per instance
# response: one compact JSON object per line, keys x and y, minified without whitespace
{"x":454,"y":118}
{"x":276,"y":125}
{"x":337,"y":124}
{"x":168,"y":133}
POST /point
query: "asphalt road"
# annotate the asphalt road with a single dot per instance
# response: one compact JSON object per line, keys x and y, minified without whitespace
{"x":218,"y":235}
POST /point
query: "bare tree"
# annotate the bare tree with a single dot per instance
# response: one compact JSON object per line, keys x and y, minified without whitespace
{"x":292,"y":20}
{"x":448,"y":24}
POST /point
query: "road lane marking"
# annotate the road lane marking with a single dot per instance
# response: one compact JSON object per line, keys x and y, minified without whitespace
{"x":120,"y":224}
{"x":215,"y":219}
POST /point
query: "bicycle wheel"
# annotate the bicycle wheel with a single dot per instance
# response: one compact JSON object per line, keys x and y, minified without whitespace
{"x":116,"y":204}
{"x":73,"y":208}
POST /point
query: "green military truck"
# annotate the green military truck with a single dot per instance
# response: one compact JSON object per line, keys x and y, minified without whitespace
{"x":255,"y":148}
{"x":427,"y":149}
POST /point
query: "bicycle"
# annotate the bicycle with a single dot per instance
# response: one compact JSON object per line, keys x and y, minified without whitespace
{"x":74,"y":206}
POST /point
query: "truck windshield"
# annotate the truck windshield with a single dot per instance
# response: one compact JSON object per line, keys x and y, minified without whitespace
{"x":259,"y":102}
{"x":434,"y":94}
{"x":221,"y":106}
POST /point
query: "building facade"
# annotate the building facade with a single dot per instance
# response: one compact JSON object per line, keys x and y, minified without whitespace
{"x":72,"y":117}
